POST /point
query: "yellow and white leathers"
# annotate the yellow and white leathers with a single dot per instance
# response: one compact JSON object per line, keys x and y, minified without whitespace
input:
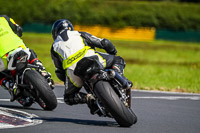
{"x":71,"y":51}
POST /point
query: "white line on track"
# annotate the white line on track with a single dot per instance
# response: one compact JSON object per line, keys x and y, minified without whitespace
{"x":5,"y":100}
{"x":60,"y":99}
{"x":170,"y":97}
{"x":154,"y":91}
{"x":166,"y":92}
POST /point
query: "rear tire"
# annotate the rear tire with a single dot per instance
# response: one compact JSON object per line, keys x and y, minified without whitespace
{"x":44,"y":91}
{"x":124,"y":116}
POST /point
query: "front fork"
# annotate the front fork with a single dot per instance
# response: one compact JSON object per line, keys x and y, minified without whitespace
{"x":122,"y":86}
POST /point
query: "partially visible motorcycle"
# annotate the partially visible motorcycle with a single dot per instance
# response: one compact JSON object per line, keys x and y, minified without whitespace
{"x":32,"y":86}
{"x":111,"y":91}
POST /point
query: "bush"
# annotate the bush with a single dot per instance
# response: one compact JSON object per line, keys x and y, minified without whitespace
{"x":162,"y":15}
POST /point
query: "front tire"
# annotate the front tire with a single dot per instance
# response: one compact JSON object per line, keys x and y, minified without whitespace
{"x":45,"y":93}
{"x":124,"y":116}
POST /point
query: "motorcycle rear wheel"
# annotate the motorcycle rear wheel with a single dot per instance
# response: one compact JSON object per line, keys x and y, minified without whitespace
{"x":124,"y":116}
{"x":44,"y":91}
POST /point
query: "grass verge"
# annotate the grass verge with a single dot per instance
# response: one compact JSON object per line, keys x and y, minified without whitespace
{"x":158,"y":65}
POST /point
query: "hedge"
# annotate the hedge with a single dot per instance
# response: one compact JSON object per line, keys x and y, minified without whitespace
{"x":161,"y":15}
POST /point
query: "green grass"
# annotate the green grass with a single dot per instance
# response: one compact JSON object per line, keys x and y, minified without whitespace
{"x":157,"y":65}
{"x":164,"y":77}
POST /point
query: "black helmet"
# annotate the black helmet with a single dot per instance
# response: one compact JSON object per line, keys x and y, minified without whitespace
{"x":61,"y":25}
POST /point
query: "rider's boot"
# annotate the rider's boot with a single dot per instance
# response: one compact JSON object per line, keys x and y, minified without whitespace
{"x":77,"y":98}
{"x":81,"y":98}
{"x":12,"y":89}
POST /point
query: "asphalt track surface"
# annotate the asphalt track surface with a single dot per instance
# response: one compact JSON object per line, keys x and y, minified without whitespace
{"x":157,"y":113}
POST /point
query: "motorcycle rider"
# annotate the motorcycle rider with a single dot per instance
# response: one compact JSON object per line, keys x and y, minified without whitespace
{"x":12,"y":46}
{"x":69,"y":47}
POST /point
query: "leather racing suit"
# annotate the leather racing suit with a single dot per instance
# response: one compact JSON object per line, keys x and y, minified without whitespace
{"x":71,"y":46}
{"x":10,"y":43}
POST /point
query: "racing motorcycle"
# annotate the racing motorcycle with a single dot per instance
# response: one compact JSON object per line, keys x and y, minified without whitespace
{"x":112,"y":96}
{"x":31,"y":85}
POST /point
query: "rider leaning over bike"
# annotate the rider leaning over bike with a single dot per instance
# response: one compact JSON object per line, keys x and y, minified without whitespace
{"x":11,"y":45}
{"x":71,"y":46}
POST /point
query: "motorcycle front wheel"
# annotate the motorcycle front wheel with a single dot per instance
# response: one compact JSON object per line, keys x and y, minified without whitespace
{"x":124,"y":116}
{"x":47,"y":99}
